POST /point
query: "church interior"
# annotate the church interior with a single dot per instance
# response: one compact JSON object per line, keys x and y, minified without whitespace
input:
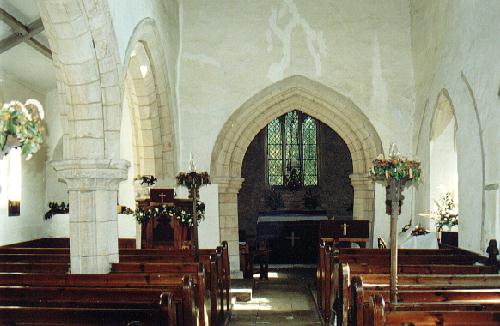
{"x":193,"y":162}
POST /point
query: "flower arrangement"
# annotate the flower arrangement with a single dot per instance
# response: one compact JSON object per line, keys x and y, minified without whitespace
{"x":446,"y":213}
{"x":21,"y":126}
{"x":396,"y":167}
{"x":186,"y":217}
{"x":193,"y":179}
{"x":143,"y":216}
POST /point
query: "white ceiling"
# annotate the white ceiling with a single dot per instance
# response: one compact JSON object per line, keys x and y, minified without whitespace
{"x":22,"y":61}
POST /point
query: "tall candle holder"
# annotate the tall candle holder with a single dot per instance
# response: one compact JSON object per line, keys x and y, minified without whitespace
{"x":396,"y":172}
{"x":193,"y":181}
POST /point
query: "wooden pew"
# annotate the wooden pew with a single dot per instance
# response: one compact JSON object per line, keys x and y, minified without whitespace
{"x":153,"y":255}
{"x":195,"y":270}
{"x":62,"y":243}
{"x":182,"y":289}
{"x":50,"y":268}
{"x":437,"y":298}
{"x":379,"y":282}
{"x":378,"y":315}
{"x":329,"y":273}
{"x":328,"y":269}
{"x":86,"y":305}
{"x":161,"y":255}
{"x":35,"y":257}
{"x":17,"y":315}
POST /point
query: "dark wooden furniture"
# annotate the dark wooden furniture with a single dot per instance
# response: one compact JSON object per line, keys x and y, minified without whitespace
{"x":291,"y":236}
{"x":343,"y":233}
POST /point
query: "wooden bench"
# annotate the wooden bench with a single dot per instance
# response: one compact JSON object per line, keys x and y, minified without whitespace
{"x":216,"y":262}
{"x":17,"y":315}
{"x":61,"y":255}
{"x":378,"y":314}
{"x":86,"y":305}
{"x":195,"y":270}
{"x":182,"y":289}
{"x":330,"y":270}
{"x":429,"y":297}
{"x":379,"y":282}
{"x":50,"y":268}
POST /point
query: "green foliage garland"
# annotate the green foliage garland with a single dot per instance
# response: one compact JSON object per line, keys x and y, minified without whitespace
{"x":193,"y":179}
{"x":22,"y":123}
{"x":143,"y":216}
{"x":399,"y":169}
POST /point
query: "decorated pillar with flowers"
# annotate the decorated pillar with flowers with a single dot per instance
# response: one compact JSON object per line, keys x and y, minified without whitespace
{"x":396,"y":172}
{"x":193,"y":181}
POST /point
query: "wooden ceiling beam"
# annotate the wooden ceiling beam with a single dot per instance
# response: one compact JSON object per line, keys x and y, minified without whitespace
{"x":22,"y":34}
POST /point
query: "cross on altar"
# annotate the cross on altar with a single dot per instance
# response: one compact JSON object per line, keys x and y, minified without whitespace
{"x":344,"y":227}
{"x":162,"y":195}
{"x":292,"y":237}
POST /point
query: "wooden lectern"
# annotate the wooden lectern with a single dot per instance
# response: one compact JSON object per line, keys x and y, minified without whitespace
{"x":165,"y":231}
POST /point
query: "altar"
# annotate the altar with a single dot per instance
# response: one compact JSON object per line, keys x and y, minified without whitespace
{"x":292,"y":237}
{"x":424,"y":241}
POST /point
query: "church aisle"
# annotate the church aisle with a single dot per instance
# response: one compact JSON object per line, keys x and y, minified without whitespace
{"x":284,"y":299}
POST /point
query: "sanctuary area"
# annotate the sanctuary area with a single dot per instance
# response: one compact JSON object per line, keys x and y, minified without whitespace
{"x":229,"y":162}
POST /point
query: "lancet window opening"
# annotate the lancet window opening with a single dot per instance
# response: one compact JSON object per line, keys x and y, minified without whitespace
{"x":292,"y":151}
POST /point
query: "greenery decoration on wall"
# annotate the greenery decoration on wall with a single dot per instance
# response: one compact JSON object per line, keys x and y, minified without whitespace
{"x":143,"y":216}
{"x":21,"y":126}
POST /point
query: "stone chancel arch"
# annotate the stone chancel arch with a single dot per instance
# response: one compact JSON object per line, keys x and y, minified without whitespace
{"x":314,"y":99}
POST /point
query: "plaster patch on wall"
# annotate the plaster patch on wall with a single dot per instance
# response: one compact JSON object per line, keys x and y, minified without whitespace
{"x":315,"y":39}
{"x":201,"y":58}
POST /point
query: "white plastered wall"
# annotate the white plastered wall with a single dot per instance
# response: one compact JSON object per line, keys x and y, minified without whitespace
{"x":455,"y":47}
{"x":30,"y":223}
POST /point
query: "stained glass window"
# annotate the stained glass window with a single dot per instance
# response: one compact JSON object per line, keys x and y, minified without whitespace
{"x":309,"y":149}
{"x":292,"y":145}
{"x":275,"y":153}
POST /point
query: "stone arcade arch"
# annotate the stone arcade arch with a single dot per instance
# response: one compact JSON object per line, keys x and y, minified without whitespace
{"x":314,"y":99}
{"x":153,"y":119}
{"x":85,"y":55}
{"x":443,"y":176}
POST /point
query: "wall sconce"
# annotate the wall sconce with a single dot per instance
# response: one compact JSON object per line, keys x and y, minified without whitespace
{"x":14,"y":208}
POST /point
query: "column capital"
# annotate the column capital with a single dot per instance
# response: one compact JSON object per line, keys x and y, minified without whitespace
{"x":360,"y":179}
{"x":100,"y":174}
{"x":228,"y":184}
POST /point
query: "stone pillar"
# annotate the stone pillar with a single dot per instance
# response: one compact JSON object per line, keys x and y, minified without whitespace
{"x":93,"y":190}
{"x":364,"y":200}
{"x":228,"y":219}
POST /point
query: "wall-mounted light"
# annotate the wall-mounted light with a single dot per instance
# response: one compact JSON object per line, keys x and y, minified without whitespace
{"x":14,"y":208}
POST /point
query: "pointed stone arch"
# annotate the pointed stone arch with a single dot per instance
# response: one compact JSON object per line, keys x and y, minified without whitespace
{"x":443,"y":160}
{"x":152,"y":113}
{"x":314,"y":99}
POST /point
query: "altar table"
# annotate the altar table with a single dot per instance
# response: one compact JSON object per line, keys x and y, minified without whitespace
{"x":425,"y":241}
{"x":292,"y":238}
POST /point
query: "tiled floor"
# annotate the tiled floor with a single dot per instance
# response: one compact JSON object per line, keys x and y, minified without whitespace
{"x":282,"y":300}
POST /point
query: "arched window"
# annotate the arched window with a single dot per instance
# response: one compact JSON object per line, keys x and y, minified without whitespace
{"x":292,"y":154}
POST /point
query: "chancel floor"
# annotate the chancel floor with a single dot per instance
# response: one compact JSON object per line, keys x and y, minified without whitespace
{"x":284,"y":299}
